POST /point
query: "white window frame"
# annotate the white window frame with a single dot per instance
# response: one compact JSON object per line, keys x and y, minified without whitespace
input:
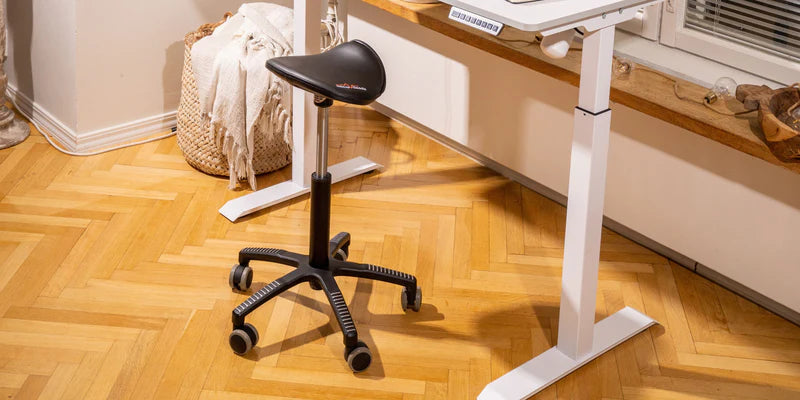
{"x":645,"y":24}
{"x":729,"y":52}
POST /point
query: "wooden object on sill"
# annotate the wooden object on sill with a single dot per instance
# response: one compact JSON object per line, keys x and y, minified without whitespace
{"x":643,"y":92}
{"x":774,"y":112}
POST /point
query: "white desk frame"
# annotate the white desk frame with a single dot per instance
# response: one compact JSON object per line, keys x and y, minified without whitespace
{"x":580,"y":340}
{"x":307,"y":37}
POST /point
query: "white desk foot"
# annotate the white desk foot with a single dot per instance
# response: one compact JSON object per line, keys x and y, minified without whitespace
{"x":272,"y":195}
{"x":552,"y":365}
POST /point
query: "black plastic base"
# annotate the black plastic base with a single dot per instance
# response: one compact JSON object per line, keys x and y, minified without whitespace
{"x":324,"y":279}
{"x":326,"y":260}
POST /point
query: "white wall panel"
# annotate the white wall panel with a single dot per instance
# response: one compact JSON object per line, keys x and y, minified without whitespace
{"x":41,"y":54}
{"x":130,"y":56}
{"x":95,"y":64}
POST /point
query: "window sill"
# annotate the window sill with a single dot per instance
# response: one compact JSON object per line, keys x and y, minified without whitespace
{"x":679,"y":63}
{"x":643,"y":91}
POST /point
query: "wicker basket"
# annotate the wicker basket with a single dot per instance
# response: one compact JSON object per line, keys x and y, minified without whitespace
{"x":199,"y":149}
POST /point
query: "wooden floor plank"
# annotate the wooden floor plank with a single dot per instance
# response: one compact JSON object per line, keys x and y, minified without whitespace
{"x":113,"y":284}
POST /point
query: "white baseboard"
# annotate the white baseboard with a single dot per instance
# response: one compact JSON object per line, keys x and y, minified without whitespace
{"x":38,"y":115}
{"x":94,"y":140}
{"x":123,"y":133}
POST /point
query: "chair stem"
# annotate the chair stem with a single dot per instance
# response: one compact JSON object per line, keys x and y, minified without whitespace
{"x":322,"y":141}
{"x":321,"y":194}
{"x":320,"y":220}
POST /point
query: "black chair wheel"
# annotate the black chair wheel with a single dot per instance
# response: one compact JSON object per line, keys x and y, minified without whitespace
{"x":315,"y":285}
{"x":417,"y":301}
{"x":243,"y":339}
{"x":241,"y":277}
{"x":342,"y":242}
{"x":358,"y":358}
{"x":342,"y":253}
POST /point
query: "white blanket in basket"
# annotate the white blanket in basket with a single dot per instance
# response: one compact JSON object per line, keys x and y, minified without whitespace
{"x":234,"y":85}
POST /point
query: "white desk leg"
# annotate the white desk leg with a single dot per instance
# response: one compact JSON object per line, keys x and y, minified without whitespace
{"x":307,"y":37}
{"x":580,"y":340}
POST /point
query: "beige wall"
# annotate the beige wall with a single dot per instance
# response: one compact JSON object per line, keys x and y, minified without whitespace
{"x":95,"y":64}
{"x":731,"y":212}
{"x":130,"y":56}
{"x":41,"y":54}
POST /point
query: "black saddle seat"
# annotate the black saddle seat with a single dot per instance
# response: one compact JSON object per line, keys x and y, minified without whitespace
{"x":351,"y":72}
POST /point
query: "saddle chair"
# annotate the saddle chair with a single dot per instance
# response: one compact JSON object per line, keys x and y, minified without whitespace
{"x":351,"y":73}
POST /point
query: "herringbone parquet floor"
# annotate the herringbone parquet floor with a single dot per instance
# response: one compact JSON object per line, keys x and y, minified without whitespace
{"x":114,"y":268}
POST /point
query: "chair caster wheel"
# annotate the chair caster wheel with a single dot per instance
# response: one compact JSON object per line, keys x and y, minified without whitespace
{"x":341,"y":242}
{"x":241,"y":277}
{"x":358,"y":358}
{"x":243,"y":339}
{"x":342,"y":254}
{"x":315,"y":285}
{"x":417,"y":301}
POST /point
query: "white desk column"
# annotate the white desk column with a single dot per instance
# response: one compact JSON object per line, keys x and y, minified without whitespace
{"x":307,"y":41}
{"x":580,"y":340}
{"x":587,"y":183}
